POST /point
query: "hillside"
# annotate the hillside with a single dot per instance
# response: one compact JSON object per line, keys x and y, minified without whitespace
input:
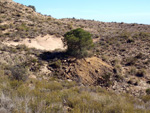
{"x":31,"y":46}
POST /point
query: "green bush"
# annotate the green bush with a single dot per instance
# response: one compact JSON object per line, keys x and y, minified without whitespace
{"x":78,"y":42}
{"x":130,"y":40}
{"x":141,"y":73}
{"x":22,"y":47}
{"x":106,"y":78}
{"x":33,"y":7}
{"x":131,"y":61}
{"x":132,"y":70}
{"x":19,"y":72}
{"x":146,"y":98}
{"x":142,"y":35}
{"x":53,"y":86}
{"x":23,"y":27}
{"x":148,"y":91}
{"x":4,"y":27}
{"x":15,"y":84}
{"x":56,"y":64}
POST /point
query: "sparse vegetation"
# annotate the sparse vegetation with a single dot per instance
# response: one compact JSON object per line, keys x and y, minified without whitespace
{"x":34,"y":80}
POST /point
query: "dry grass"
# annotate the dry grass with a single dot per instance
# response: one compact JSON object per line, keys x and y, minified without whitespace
{"x":61,"y":96}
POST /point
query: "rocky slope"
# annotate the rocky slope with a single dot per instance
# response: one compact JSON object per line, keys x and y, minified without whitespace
{"x":124,"y":49}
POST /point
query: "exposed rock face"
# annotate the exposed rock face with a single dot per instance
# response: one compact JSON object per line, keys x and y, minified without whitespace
{"x":92,"y":69}
{"x":89,"y":71}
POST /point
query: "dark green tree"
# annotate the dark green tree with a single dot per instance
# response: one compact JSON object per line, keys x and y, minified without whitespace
{"x":33,"y":7}
{"x":78,"y":42}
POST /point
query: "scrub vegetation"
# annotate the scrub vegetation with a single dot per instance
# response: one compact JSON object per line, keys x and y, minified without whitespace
{"x":104,"y":68}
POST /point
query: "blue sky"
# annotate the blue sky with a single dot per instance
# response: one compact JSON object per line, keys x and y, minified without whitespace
{"x":129,"y":11}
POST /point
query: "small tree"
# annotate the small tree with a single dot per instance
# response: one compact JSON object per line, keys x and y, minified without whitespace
{"x":33,"y":7}
{"x":78,"y":42}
